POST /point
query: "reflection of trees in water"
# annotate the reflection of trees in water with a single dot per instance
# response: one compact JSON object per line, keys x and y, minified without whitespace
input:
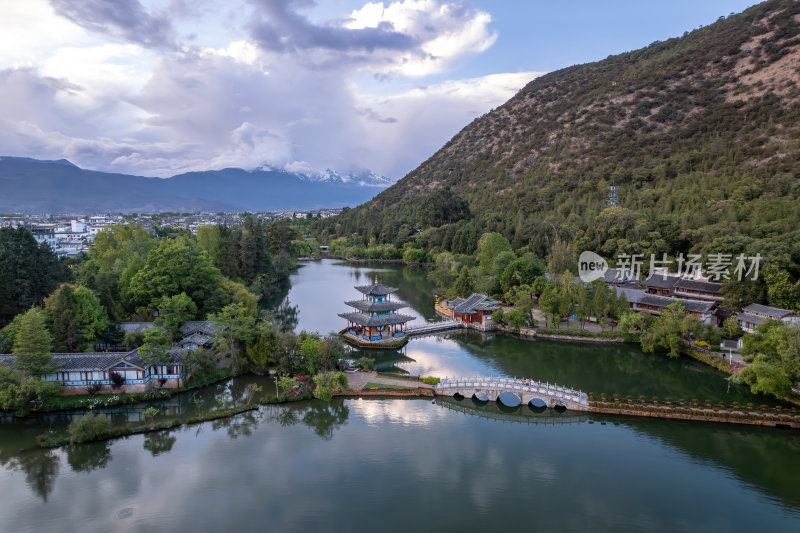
{"x":324,"y":418}
{"x":239,"y":425}
{"x":321,"y":417}
{"x":284,"y":315}
{"x":88,"y":457}
{"x":158,"y":442}
{"x":41,"y":469}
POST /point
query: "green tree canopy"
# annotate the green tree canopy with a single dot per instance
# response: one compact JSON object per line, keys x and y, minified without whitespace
{"x":173,"y":312}
{"x":78,"y":318}
{"x":33,"y":344}
{"x":153,"y":350}
{"x":178,"y":266}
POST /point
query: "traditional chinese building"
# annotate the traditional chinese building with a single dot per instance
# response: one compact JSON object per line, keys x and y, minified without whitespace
{"x":477,"y":309}
{"x":376,"y":318}
{"x":109,"y":372}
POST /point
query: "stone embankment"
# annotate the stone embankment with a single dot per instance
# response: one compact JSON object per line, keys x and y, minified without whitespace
{"x":761,"y":416}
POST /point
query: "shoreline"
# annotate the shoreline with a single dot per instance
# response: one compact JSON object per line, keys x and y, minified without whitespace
{"x":685,"y":412}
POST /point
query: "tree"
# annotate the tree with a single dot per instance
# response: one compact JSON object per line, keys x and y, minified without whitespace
{"x":178,"y":266}
{"x":731,"y":328}
{"x":154,"y":349}
{"x":585,"y":306}
{"x":33,"y":345}
{"x":632,"y":321}
{"x":77,"y":317}
{"x":29,"y":271}
{"x":763,"y":377}
{"x":174,"y":311}
{"x":89,"y":427}
{"x":328,"y":383}
{"x":234,"y":329}
{"x":668,"y":330}
{"x":286,"y":384}
{"x":464,"y":284}
{"x":261,"y":352}
{"x":549,"y":303}
{"x":489,"y":247}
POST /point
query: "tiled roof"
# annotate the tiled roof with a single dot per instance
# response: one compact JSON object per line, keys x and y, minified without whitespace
{"x":655,"y":301}
{"x":659,"y":281}
{"x":774,"y":312}
{"x":372,"y":321}
{"x":364,"y":305}
{"x":631,"y":295}
{"x":377,"y":289}
{"x":753,"y":319}
{"x":198,"y":338}
{"x":617,"y":276}
{"x":95,"y":361}
{"x":203,"y":326}
{"x":132,"y":327}
{"x":696,"y":306}
{"x":476,"y":302}
{"x":697,"y":285}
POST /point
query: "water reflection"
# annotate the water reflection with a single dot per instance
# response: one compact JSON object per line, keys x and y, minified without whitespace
{"x":158,"y":442}
{"x":322,"y":418}
{"x":90,"y":456}
{"x":41,"y":467}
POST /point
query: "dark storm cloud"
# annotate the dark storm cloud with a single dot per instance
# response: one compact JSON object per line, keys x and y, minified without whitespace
{"x":126,"y":19}
{"x":277,"y":26}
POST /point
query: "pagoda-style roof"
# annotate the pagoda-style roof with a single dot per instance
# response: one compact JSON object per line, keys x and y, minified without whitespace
{"x":372,"y":321}
{"x":375,"y":307}
{"x":476,"y":302}
{"x":376,"y":289}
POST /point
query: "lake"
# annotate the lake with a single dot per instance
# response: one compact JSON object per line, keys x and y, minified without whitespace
{"x":417,"y":464}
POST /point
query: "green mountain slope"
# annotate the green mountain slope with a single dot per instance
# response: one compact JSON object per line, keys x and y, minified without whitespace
{"x":700,"y":134}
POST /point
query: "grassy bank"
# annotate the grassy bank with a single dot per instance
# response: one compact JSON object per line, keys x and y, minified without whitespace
{"x":63,"y":439}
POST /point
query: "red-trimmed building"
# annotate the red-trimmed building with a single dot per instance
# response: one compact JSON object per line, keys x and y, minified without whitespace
{"x":477,"y":309}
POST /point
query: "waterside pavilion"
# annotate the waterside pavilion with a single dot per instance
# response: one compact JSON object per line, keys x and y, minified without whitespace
{"x":375,"y":321}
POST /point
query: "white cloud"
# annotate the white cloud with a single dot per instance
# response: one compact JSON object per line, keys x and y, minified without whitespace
{"x":446,"y":32}
{"x":291,"y":99}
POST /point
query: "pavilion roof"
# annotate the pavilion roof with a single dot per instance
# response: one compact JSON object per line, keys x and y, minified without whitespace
{"x":372,"y":321}
{"x":476,"y":302}
{"x":376,"y":289}
{"x":376,"y":307}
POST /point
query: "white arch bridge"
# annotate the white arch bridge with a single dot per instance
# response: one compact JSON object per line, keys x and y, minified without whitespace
{"x":527,"y":390}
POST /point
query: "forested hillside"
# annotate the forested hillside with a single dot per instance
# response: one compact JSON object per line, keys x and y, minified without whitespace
{"x":700,"y":134}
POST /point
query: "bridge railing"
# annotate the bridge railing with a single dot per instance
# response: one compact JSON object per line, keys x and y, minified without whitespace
{"x":513,"y":385}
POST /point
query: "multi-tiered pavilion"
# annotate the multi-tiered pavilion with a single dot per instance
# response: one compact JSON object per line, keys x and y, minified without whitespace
{"x":376,"y":319}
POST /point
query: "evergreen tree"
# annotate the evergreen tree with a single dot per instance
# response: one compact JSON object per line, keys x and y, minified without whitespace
{"x":464,"y":285}
{"x":153,"y":350}
{"x":33,"y":344}
{"x":77,"y":317}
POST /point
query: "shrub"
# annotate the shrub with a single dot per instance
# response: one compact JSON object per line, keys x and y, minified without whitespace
{"x":117,"y":380}
{"x":88,"y":427}
{"x":365,"y":363}
{"x":430,"y":380}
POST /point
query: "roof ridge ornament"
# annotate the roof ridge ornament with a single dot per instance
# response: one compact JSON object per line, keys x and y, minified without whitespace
{"x":376,"y":280}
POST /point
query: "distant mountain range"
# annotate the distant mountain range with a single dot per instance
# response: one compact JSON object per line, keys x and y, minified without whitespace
{"x":42,"y":186}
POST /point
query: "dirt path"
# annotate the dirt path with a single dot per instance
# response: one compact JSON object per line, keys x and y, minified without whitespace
{"x":357,"y":380}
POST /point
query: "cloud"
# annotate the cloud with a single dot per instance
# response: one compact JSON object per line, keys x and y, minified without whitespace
{"x":277,"y":26}
{"x":413,"y":37}
{"x":446,"y":31}
{"x":125,"y":19}
{"x":295,"y":98}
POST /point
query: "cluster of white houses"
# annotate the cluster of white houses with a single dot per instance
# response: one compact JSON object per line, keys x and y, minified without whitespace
{"x":700,"y":298}
{"x":107,"y":372}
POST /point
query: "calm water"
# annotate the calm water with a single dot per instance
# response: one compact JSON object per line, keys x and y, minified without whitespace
{"x":401,"y":465}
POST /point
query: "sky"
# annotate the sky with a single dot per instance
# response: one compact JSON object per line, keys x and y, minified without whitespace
{"x":161,"y":87}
